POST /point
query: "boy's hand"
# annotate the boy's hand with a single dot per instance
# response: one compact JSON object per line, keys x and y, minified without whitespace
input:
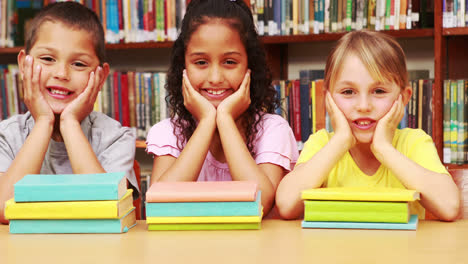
{"x":83,"y":105}
{"x":236,"y":104}
{"x":339,"y":122}
{"x":195,"y":103}
{"x":386,"y":126}
{"x":33,"y":97}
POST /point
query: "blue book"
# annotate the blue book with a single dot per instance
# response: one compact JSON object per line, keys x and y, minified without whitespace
{"x":411,"y":225}
{"x":70,"y":187}
{"x":305,"y":100}
{"x":68,"y":226}
{"x":205,"y":208}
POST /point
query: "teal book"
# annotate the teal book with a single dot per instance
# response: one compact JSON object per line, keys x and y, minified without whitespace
{"x":203,"y":226}
{"x":70,"y":187}
{"x":411,"y":225}
{"x":70,"y":226}
{"x":205,"y":208}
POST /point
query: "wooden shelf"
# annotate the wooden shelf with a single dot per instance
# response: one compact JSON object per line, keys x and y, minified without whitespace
{"x":407,"y":33}
{"x":140,"y":144}
{"x":140,"y":45}
{"x":455,"y":31}
{"x":456,"y":166}
{"x":13,"y":50}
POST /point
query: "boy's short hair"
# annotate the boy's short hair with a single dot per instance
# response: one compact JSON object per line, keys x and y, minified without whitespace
{"x":73,"y":15}
{"x":380,"y":53}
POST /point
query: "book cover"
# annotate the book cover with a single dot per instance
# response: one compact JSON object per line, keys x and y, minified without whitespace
{"x":356,"y":211}
{"x":360,"y":194}
{"x":219,"y":191}
{"x":111,"y":209}
{"x":205,"y":208}
{"x":202,"y":219}
{"x":305,"y":101}
{"x":69,"y":226}
{"x":70,"y":187}
{"x":210,"y":226}
{"x":411,"y":225}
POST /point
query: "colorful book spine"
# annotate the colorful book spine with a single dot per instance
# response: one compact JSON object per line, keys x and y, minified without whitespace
{"x":210,"y":226}
{"x":356,"y":211}
{"x":360,"y":194}
{"x":411,"y":225}
{"x":71,"y":209}
{"x":202,"y":219}
{"x":70,"y":187}
{"x":69,"y":226}
{"x":205,"y":208}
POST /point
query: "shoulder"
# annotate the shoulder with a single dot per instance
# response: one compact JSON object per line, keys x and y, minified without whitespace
{"x":411,"y":136}
{"x":320,"y":136}
{"x":103,"y":128}
{"x":271,"y":121}
{"x":164,"y":127}
{"x":17,"y":125}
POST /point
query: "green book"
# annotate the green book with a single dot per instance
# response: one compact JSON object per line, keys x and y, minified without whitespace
{"x":212,"y":226}
{"x":461,"y":121}
{"x":446,"y":121}
{"x":356,"y":211}
{"x":453,"y":121}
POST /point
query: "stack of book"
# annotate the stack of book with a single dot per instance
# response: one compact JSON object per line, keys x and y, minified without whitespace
{"x":71,"y":203}
{"x":203,"y":206}
{"x":359,"y":208}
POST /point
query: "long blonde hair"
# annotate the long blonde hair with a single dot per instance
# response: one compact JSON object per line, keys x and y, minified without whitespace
{"x":380,"y":53}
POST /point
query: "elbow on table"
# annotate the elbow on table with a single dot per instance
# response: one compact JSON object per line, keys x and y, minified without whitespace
{"x":451,"y":211}
{"x":286,"y":209}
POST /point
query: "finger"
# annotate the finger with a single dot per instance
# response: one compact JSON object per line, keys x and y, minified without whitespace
{"x":245,"y":85}
{"x":36,"y":75}
{"x":27,"y":75}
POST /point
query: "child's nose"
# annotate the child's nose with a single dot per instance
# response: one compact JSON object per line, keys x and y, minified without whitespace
{"x":61,"y":72}
{"x":364,"y":104}
{"x":215,"y":75}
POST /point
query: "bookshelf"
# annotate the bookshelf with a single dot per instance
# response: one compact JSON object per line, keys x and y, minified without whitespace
{"x":449,"y":49}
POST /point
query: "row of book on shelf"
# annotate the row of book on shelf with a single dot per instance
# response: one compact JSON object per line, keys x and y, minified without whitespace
{"x":292,"y":17}
{"x":454,"y":13}
{"x":60,"y":204}
{"x":455,"y":121}
{"x":129,"y":21}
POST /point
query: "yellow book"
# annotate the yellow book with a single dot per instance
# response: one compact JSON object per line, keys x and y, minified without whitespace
{"x":203,"y":219}
{"x":361,"y":194}
{"x":112,"y":209}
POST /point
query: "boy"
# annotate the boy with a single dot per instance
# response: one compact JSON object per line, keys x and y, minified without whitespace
{"x":63,"y":71}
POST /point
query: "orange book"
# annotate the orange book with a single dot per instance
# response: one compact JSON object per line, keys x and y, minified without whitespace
{"x":219,"y":191}
{"x":319,"y":105}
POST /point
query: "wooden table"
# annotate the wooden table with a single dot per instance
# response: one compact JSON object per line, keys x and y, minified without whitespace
{"x":278,"y":241}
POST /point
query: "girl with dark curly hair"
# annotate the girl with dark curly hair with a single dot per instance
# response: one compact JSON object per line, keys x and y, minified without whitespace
{"x":221,"y":101}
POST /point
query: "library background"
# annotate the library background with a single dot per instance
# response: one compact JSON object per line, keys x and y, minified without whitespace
{"x":297,"y":34}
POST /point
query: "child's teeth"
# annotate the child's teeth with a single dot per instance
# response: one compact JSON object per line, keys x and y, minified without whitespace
{"x":215,"y":92}
{"x":59,"y":92}
{"x":364,"y":122}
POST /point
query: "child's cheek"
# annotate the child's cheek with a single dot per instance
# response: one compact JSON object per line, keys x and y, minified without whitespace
{"x":345,"y":105}
{"x":384,"y":106}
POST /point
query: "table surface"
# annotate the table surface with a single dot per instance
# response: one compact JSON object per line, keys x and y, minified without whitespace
{"x":278,"y":241}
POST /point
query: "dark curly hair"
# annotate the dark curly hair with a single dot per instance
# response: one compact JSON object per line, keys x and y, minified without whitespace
{"x":263,"y":96}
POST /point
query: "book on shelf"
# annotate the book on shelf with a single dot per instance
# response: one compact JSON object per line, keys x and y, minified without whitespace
{"x":202,"y":219}
{"x":70,"y":187}
{"x":68,"y":226}
{"x":361,"y":194}
{"x":356,"y":211}
{"x":248,"y":208}
{"x":202,"y":226}
{"x":411,"y":225}
{"x":111,"y":209}
{"x":202,"y":191}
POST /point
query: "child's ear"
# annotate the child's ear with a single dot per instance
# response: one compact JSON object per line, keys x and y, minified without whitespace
{"x":104,"y":73}
{"x":406,"y":94}
{"x":21,"y":57}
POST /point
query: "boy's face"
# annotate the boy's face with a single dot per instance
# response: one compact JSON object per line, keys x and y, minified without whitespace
{"x":362,"y":99}
{"x":66,"y":57}
{"x":216,"y":61}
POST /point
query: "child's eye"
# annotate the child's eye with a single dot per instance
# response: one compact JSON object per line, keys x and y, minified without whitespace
{"x":47,"y":59}
{"x":347,"y":92}
{"x":379,"y":91}
{"x":201,"y":63}
{"x":231,"y":62}
{"x":79,"y":64}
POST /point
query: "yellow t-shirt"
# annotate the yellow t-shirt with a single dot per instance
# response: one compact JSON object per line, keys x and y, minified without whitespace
{"x":413,"y":143}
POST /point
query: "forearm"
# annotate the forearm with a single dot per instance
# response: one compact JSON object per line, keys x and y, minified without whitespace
{"x":83,"y":160}
{"x":439,"y":194}
{"x":242,"y":166}
{"x":308,"y":175}
{"x":28,"y":160}
{"x":190,"y":161}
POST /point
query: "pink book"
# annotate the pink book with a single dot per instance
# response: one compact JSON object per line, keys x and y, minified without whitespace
{"x":213,"y":191}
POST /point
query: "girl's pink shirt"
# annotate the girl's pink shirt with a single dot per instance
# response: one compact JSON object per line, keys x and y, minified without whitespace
{"x":274,"y":143}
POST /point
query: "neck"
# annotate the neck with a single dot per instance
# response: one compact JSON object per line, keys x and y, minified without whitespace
{"x":365,"y":158}
{"x":56,"y":135}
